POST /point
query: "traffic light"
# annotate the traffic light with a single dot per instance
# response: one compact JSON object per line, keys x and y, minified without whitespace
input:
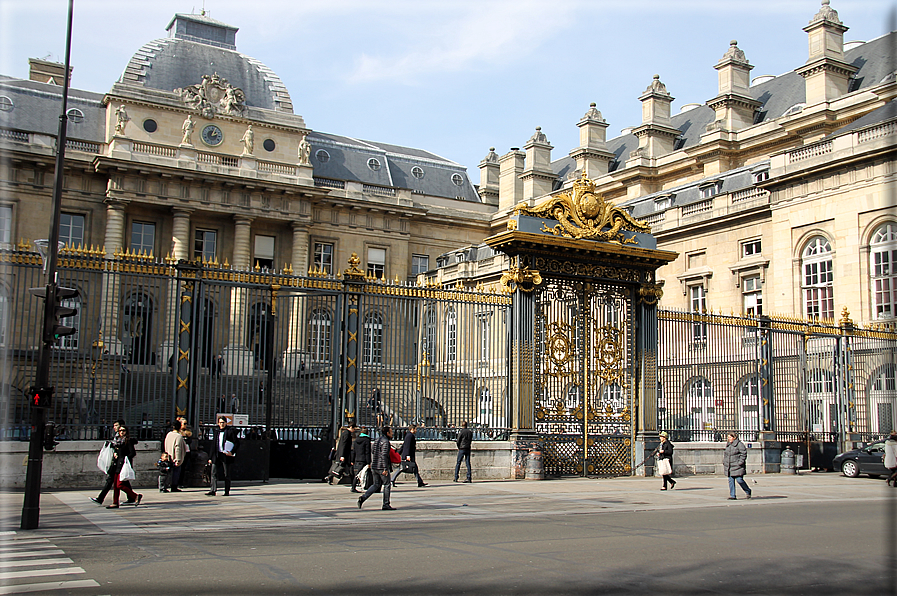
{"x":41,"y":397}
{"x":50,"y":441}
{"x":55,"y":312}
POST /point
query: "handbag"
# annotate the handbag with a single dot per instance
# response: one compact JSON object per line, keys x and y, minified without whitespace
{"x":409,"y":467}
{"x":664,"y":467}
{"x":104,"y":459}
{"x":394,"y":457}
{"x":338,"y":468}
{"x":127,"y":472}
{"x":365,"y":478}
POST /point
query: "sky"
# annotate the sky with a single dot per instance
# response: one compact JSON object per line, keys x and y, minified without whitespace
{"x":453,"y":77}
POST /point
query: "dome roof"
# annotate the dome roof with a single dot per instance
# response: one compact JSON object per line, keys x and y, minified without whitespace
{"x":199,"y":45}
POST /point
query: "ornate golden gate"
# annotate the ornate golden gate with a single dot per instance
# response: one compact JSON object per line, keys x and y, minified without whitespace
{"x":583,"y":376}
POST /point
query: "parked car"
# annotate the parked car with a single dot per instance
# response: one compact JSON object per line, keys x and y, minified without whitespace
{"x":867,"y":460}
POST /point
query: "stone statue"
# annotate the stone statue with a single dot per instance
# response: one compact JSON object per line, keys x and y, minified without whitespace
{"x":248,"y":141}
{"x":188,"y":127}
{"x":121,"y":119}
{"x":304,"y":151}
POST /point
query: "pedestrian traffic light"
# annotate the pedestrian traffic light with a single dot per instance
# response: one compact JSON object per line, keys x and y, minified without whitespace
{"x":55,"y":311}
{"x":50,"y":441}
{"x":41,"y":397}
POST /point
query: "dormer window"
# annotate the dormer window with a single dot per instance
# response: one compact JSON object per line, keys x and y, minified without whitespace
{"x":663,"y":202}
{"x":795,"y":109}
{"x":760,"y":176}
{"x":711,"y":188}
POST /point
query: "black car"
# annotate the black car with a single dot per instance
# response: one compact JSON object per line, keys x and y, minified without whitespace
{"x":868,"y":460}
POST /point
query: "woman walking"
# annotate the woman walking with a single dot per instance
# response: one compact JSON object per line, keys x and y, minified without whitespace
{"x":664,"y":453}
{"x":891,"y":458}
{"x":735,"y":465}
{"x":123,"y":451}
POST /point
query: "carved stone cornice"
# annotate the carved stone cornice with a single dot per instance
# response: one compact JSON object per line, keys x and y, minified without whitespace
{"x":826,"y":64}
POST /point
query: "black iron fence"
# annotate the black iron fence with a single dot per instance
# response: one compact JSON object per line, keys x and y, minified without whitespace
{"x":800,"y":380}
{"x":296,"y":355}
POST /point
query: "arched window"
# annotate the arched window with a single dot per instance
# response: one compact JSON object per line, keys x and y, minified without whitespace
{"x":372,"y":348}
{"x":699,"y":401}
{"x":883,"y":257}
{"x":319,"y":328}
{"x":429,"y":346}
{"x":816,"y":265}
{"x":748,"y":404}
{"x":614,"y":397}
{"x":883,"y":400}
{"x":451,"y":334}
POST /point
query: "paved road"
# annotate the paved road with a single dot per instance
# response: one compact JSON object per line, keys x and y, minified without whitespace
{"x":808,"y":534}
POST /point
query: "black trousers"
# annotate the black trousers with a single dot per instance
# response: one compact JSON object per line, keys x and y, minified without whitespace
{"x":221,"y":468}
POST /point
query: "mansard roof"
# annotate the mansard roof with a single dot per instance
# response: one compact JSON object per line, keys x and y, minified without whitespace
{"x":36,"y":108}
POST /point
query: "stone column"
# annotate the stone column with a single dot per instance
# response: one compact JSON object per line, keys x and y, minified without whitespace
{"x":238,"y":359}
{"x":111,"y":302}
{"x":179,"y":251}
{"x":298,"y":329}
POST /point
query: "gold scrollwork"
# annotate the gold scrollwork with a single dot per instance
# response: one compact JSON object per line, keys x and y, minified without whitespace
{"x":523,"y":278}
{"x":585,"y":215}
{"x":650,"y":294}
{"x":512,"y":224}
{"x":353,"y":272}
{"x":608,"y":353}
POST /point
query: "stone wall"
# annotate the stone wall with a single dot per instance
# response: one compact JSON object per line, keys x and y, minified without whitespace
{"x":707,"y":458}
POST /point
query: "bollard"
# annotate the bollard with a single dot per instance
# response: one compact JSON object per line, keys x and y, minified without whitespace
{"x":534,"y":469}
{"x":787,"y":462}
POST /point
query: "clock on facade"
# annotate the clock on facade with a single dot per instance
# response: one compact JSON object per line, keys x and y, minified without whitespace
{"x":212,"y":135}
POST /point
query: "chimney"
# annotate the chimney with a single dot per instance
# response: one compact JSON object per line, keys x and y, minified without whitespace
{"x":489,"y":175}
{"x":510,"y":190}
{"x":656,"y":136}
{"x":734,"y":105}
{"x":538,"y":178}
{"x":47,"y":72}
{"x":592,"y":156}
{"x":826,"y":73}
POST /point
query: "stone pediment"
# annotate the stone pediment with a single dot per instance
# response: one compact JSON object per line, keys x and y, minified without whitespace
{"x":213,"y":96}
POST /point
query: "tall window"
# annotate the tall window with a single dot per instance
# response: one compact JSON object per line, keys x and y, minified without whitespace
{"x":70,"y":342}
{"x":429,"y":333}
{"x":451,"y":334}
{"x":698,"y":305}
{"x":700,"y":404}
{"x":884,"y":276}
{"x":483,"y":327}
{"x":205,"y":245}
{"x":71,"y":229}
{"x":753,"y":296}
{"x":816,"y":262}
{"x":264,"y":252}
{"x":376,"y":262}
{"x":419,"y":264}
{"x":372,"y":348}
{"x":143,"y":237}
{"x":883,"y":400}
{"x":319,"y":335}
{"x":5,"y":224}
{"x":749,"y":398}
{"x":323,"y":257}
{"x":4,"y":315}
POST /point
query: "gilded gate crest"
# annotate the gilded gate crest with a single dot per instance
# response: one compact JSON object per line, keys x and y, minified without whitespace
{"x":585,"y":215}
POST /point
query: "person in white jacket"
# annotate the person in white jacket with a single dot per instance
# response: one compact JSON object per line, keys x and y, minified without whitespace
{"x":891,"y":458}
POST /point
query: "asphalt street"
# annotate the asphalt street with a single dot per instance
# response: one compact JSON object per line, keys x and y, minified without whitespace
{"x":807,"y":534}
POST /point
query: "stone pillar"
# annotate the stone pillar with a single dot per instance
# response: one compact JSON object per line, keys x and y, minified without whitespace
{"x":826,"y":73}
{"x":510,"y":189}
{"x":179,"y":251}
{"x":111,"y":304}
{"x":523,"y":365}
{"x":592,"y":156}
{"x":489,"y":173}
{"x":645,"y":405}
{"x":298,"y":327}
{"x":538,"y":177}
{"x":238,"y":359}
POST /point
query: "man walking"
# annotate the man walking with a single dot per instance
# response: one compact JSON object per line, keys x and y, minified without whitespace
{"x":408,"y":451}
{"x":735,"y":465}
{"x":361,"y":457}
{"x":223,"y":451}
{"x":464,"y":440}
{"x":176,"y":449}
{"x":381,"y":467}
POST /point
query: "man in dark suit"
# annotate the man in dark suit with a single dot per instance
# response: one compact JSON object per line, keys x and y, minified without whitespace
{"x":408,"y":451}
{"x":222,"y":453}
{"x":464,"y":440}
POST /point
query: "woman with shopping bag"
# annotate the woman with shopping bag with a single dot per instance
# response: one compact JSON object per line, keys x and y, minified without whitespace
{"x":122,"y":468}
{"x":104,"y":462}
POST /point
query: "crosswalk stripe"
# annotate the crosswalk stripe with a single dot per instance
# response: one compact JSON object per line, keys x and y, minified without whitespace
{"x":62,"y":561}
{"x":65,"y":585}
{"x":39,"y":573}
{"x":30,"y":553}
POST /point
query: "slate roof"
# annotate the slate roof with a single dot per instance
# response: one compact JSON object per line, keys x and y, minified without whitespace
{"x":37,"y":106}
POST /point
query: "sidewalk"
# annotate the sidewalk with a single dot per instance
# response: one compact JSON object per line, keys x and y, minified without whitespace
{"x":289,"y":503}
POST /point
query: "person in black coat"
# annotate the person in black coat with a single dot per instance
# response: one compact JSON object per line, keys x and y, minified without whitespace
{"x":408,"y":451}
{"x":342,"y":458}
{"x":222,"y":452}
{"x":124,"y":449}
{"x":361,"y":456}
{"x":664,"y":454}
{"x":464,"y":441}
{"x":111,"y":474}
